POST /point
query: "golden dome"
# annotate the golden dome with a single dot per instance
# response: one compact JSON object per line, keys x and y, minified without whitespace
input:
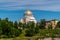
{"x":28,"y":12}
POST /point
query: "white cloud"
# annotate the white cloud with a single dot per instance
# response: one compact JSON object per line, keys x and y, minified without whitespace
{"x":52,"y":5}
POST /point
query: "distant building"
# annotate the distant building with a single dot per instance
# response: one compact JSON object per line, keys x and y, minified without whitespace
{"x":52,"y":23}
{"x":28,"y":16}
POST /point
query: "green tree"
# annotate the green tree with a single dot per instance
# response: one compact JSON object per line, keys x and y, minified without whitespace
{"x":42,"y":24}
{"x":16,"y":24}
{"x":20,"y":25}
{"x":31,"y":29}
{"x":8,"y":29}
{"x":0,"y":31}
{"x":31,"y":25}
{"x":37,"y":29}
{"x":58,"y":24}
{"x":6,"y":19}
{"x":30,"y":32}
{"x":23,"y":26}
{"x":13,"y":32}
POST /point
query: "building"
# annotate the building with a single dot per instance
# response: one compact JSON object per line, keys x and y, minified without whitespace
{"x":52,"y":24}
{"x":28,"y":17}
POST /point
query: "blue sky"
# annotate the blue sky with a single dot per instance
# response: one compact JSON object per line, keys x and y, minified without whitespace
{"x":42,"y":9}
{"x":51,"y":5}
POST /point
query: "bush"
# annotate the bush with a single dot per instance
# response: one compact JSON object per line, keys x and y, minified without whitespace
{"x":30,"y":33}
{"x":13,"y":32}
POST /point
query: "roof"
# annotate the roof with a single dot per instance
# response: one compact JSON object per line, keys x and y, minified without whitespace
{"x":28,"y":12}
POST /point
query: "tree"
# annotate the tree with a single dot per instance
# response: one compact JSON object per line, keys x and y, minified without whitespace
{"x":7,"y":28}
{"x":0,"y":31}
{"x":24,"y":26}
{"x":13,"y":32}
{"x":6,"y":19}
{"x":42,"y":24}
{"x":58,"y":24}
{"x":31,"y":25}
{"x":31,"y":29}
{"x":36,"y":29}
{"x":20,"y":25}
{"x":30,"y":32}
{"x":16,"y":24}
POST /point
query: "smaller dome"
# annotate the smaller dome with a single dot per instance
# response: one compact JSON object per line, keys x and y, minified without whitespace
{"x":28,"y":12}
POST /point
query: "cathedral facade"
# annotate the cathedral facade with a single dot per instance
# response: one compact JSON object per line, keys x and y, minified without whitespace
{"x":28,"y":17}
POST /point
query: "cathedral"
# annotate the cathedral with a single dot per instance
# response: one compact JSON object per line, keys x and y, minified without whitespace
{"x":28,"y":17}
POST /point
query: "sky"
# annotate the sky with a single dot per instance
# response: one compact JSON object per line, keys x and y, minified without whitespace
{"x":41,"y":9}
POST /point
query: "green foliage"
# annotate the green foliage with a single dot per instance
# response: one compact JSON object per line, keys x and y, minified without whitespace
{"x":30,"y":32}
{"x":16,"y":24}
{"x":0,"y":31}
{"x":13,"y":32}
{"x":10,"y":29}
{"x":50,"y":33}
{"x":24,"y":26}
{"x":7,"y":29}
{"x":36,"y":29}
{"x":42,"y":24}
{"x":30,"y":25}
{"x":30,"y":29}
{"x":58,"y":24}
